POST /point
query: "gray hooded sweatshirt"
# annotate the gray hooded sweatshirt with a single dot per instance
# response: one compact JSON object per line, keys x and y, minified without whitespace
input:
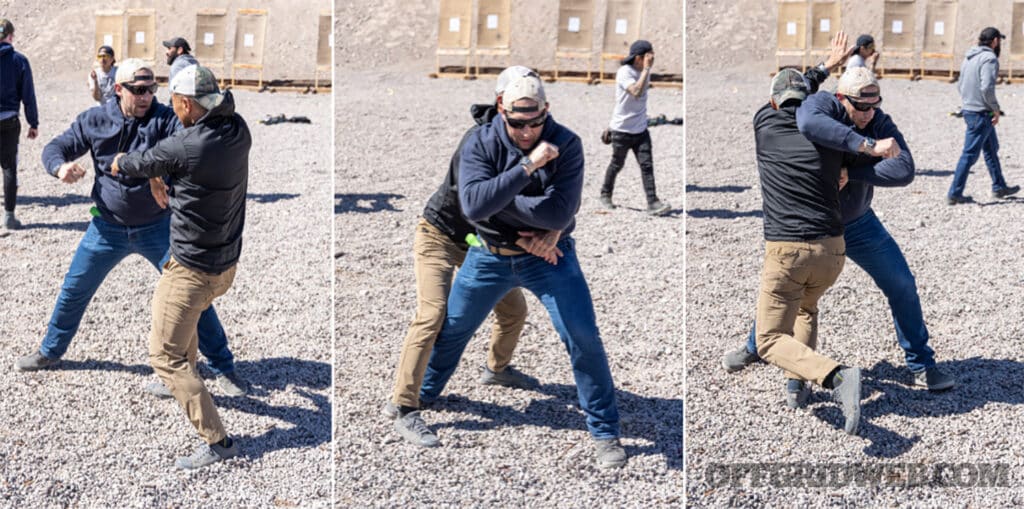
{"x":978,"y":80}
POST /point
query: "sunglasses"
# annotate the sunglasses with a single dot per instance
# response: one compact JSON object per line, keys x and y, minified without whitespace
{"x":102,"y":56}
{"x":141,"y":89}
{"x":861,"y":106}
{"x":529,"y":122}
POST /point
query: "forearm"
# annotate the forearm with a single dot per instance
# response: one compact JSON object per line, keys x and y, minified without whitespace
{"x":637,"y":89}
{"x":895,"y":172}
{"x":554,"y":212}
{"x":819,"y":127}
{"x":482,"y":197}
{"x":141,"y":164}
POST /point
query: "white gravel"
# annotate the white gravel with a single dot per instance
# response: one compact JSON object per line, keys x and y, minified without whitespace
{"x":968,"y":267}
{"x":86,"y":434}
{"x":501,"y":447}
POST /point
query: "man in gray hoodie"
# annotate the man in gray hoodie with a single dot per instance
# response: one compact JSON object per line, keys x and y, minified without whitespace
{"x":978,"y":75}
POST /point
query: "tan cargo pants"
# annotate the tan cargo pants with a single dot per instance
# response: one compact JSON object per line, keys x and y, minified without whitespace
{"x":182,"y":294}
{"x":795,"y":276}
{"x":436,"y":260}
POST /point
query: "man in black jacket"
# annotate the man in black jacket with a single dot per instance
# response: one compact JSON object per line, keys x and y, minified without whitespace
{"x":208,"y":163}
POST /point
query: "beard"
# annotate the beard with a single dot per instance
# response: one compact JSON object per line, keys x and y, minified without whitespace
{"x":171,"y":57}
{"x":996,"y":50}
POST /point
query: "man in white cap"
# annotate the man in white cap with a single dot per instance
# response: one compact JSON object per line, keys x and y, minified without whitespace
{"x":208,"y":163}
{"x":442,"y":239}
{"x":129,"y":217}
{"x":520,"y":186}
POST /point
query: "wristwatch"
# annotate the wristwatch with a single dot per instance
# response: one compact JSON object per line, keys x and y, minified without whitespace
{"x":525,"y":162}
{"x":869,"y":143}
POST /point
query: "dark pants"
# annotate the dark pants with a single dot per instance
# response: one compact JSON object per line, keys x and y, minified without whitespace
{"x":640,"y":144}
{"x":10,"y":130}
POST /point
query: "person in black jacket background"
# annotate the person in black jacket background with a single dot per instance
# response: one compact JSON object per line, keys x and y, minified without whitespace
{"x":15,"y":88}
{"x":208,"y":163}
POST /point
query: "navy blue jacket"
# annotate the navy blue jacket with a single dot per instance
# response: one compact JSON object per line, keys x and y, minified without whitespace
{"x":103,"y":131}
{"x":500,"y":199}
{"x":16,"y":84}
{"x":209,"y":168}
{"x":823,"y":120}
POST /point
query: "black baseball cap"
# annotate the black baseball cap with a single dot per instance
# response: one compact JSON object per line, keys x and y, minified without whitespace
{"x":178,"y":42}
{"x":640,"y":47}
{"x":865,"y":40}
{"x":989,"y":34}
{"x":105,"y":50}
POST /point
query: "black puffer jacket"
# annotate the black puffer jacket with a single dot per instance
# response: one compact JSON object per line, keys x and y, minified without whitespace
{"x":209,"y":168}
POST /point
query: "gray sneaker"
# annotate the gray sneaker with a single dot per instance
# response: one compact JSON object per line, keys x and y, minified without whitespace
{"x":738,"y":359}
{"x":34,"y":362}
{"x":610,"y":453}
{"x":658,"y":208}
{"x":207,"y":454}
{"x":606,"y":202}
{"x":797,"y":393}
{"x":846,"y":391}
{"x":158,"y":389}
{"x":232,"y":384}
{"x":508,"y":377}
{"x":11,"y":223}
{"x":934,"y":378}
{"x":412,"y":428}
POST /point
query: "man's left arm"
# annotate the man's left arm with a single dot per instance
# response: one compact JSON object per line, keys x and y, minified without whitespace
{"x":894,"y":172}
{"x":816,"y":119}
{"x":989,"y":76}
{"x":555,"y":209}
{"x":167,"y":157}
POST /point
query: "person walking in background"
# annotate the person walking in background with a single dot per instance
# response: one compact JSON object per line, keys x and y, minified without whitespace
{"x":629,"y":126}
{"x":978,"y":75}
{"x":16,"y":88}
{"x":864,"y":53}
{"x":101,"y":78}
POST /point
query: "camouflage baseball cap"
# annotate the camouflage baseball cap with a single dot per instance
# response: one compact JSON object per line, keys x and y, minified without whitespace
{"x":788,"y":84}
{"x":198,"y":83}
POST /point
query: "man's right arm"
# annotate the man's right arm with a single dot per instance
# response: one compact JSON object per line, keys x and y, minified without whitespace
{"x":816,"y":119}
{"x":68,"y":146}
{"x":484,"y":189}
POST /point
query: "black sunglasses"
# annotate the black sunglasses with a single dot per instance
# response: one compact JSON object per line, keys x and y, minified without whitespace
{"x":529,"y":122}
{"x":860,"y":106}
{"x":141,"y":89}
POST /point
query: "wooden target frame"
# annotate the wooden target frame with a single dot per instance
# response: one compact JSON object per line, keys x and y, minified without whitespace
{"x":939,"y":36}
{"x":493,"y":31}
{"x":898,"y":25}
{"x":324,"y":47}
{"x":110,"y":31}
{"x":575,"y":36}
{"x":454,"y":34}
{"x":250,"y":36}
{"x":210,"y":45}
{"x":791,"y":33}
{"x":1016,"y":44}
{"x":141,"y":41}
{"x":621,"y":28}
{"x":826,"y":20}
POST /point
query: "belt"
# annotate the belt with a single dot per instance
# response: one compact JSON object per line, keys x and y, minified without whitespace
{"x":501,"y":250}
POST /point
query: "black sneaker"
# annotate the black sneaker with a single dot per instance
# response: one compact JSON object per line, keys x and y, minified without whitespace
{"x":1006,"y":191}
{"x":953,"y":200}
{"x":934,"y":378}
{"x":508,"y":377}
{"x":606,"y":202}
{"x":736,"y":360}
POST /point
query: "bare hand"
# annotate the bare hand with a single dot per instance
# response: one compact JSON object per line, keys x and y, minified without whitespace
{"x":648,"y":60}
{"x":113,"y":166}
{"x":541,"y":244}
{"x":844,"y":178}
{"x":838,"y":52}
{"x":541,"y":155}
{"x":32,"y":133}
{"x":92,"y":74}
{"x":158,"y":188}
{"x":995,"y":117}
{"x":887,"y":148}
{"x":69,"y":173}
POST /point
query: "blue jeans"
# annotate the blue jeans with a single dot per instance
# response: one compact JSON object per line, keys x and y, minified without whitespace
{"x":980,"y":137}
{"x":484,"y":279}
{"x":102,"y":247}
{"x":871,"y":247}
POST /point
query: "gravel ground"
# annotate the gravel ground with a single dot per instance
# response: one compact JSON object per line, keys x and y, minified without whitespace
{"x":501,"y":447}
{"x":968,"y":267}
{"x":85,"y":434}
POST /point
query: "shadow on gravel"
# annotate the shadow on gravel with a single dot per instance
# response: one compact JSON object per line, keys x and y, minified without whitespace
{"x":658,"y":421}
{"x":270,"y":197}
{"x":722,"y":213}
{"x":75,"y":226}
{"x":54,"y":201}
{"x":299,"y":427}
{"x":934,"y":173}
{"x":979,"y":382}
{"x":357,"y":202}
{"x":716,"y":189}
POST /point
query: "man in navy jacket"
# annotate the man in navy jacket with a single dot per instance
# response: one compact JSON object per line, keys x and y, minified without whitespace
{"x":15,"y":89}
{"x":520,"y":181}
{"x":127,"y":217}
